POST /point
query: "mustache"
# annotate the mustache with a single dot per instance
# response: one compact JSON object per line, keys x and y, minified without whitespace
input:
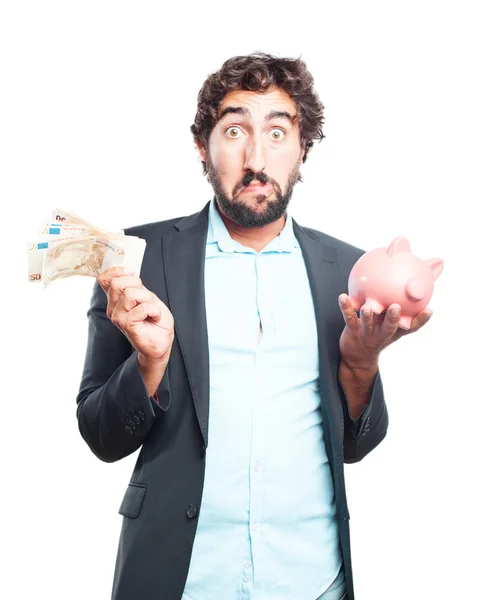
{"x":261,"y":177}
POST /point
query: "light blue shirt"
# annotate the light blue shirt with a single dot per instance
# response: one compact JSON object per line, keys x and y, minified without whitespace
{"x":267,"y":523}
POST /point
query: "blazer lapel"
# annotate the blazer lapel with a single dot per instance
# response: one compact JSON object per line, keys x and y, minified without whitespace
{"x":184,"y":266}
{"x":325,"y":280}
{"x":184,"y":261}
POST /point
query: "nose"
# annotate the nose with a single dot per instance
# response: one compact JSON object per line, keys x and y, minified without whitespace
{"x":254,"y":156}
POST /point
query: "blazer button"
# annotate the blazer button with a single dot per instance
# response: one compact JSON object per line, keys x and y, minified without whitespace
{"x":128,"y":429}
{"x":191,"y":512}
{"x":141,"y":414}
{"x":136,"y":419}
{"x":203,"y":450}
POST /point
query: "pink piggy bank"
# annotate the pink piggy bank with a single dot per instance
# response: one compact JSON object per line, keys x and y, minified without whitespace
{"x":386,"y":275}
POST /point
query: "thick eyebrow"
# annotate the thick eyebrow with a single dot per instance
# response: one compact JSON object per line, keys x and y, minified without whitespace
{"x":274,"y":114}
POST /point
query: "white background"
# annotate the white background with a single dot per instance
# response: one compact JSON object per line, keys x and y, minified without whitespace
{"x":96,"y":103}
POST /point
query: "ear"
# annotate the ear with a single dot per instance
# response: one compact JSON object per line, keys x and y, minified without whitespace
{"x":436,"y":265}
{"x":201,"y":150}
{"x":399,"y":244}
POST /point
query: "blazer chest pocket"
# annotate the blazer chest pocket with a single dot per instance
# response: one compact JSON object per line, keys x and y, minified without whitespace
{"x":133,"y":500}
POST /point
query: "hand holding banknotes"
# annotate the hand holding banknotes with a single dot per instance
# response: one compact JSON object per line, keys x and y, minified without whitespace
{"x":139,"y":314}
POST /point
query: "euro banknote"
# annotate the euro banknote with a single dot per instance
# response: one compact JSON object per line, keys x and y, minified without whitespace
{"x":69,"y":245}
{"x":70,"y":218}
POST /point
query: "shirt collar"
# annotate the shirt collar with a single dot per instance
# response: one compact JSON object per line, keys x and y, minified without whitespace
{"x":218,"y":233}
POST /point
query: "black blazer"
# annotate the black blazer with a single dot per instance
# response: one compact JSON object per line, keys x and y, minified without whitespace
{"x":116,"y":416}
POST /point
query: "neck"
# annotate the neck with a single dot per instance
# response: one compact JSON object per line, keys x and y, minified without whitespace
{"x":253,"y":237}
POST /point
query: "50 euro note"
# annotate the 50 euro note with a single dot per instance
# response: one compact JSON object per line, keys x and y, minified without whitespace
{"x":69,"y":245}
{"x":60,"y":216}
{"x":90,"y":256}
{"x":47,"y":233}
{"x":56,"y":230}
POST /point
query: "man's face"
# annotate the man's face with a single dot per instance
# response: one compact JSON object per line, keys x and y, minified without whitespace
{"x":250,"y":145}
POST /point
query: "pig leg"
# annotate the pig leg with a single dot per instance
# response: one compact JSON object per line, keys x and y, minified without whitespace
{"x":375,"y":306}
{"x":356,"y":301}
{"x":405,"y":322}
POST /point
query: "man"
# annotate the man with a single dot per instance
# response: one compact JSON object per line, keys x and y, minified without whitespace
{"x":235,"y":369}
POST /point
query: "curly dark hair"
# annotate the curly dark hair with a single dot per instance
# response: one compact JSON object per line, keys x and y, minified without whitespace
{"x":258,"y":72}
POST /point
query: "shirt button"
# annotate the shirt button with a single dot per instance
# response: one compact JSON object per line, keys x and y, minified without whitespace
{"x":253,"y":527}
{"x":256,"y":467}
{"x":248,"y":565}
{"x":245,"y":579}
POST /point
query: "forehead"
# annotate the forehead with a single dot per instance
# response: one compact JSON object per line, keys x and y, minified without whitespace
{"x":257,"y":103}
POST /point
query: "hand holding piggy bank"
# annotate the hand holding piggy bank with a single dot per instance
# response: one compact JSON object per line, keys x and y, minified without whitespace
{"x":384,"y":276}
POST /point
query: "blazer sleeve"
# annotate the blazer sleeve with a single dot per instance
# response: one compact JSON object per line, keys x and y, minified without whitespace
{"x":114,"y":410}
{"x":365,"y":432}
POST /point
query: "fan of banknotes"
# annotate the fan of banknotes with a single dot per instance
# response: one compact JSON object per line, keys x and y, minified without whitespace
{"x":68,"y":245}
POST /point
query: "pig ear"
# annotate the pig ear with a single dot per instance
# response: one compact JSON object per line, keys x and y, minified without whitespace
{"x":436,"y":265}
{"x":399,"y":244}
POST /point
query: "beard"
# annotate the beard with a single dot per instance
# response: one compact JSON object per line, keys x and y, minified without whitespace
{"x":239,"y":211}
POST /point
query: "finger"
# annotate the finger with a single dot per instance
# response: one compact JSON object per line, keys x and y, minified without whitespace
{"x":391,"y":322}
{"x":117,"y":287}
{"x":367,"y":322}
{"x":420,"y":320}
{"x":129,"y":299}
{"x":141,"y":312}
{"x":126,"y":320}
{"x":104,"y":279}
{"x":349,"y":314}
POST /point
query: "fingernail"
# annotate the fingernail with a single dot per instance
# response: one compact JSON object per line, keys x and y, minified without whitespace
{"x":342,"y":299}
{"x":367,"y":312}
{"x":395,"y":312}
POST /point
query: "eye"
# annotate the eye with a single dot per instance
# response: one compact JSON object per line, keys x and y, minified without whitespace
{"x":233,"y":128}
{"x":275,"y":131}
